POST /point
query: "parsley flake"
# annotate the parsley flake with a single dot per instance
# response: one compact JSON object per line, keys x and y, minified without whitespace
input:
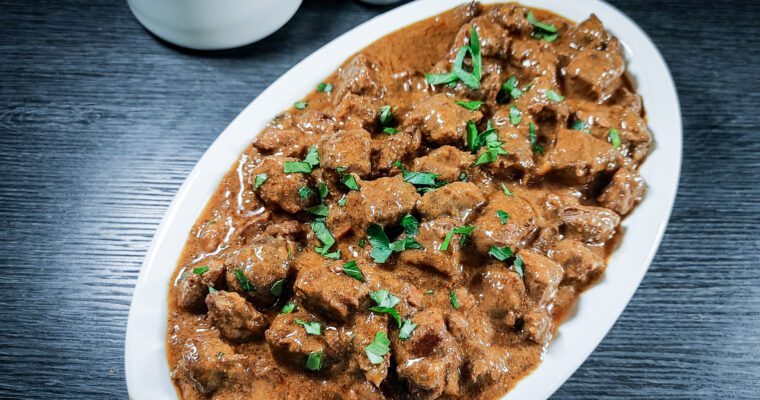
{"x":378,"y":348}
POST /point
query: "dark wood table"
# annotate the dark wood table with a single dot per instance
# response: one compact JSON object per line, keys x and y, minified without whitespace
{"x":100,"y":122}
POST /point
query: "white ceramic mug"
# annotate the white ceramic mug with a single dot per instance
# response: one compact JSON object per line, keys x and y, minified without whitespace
{"x":213,"y":24}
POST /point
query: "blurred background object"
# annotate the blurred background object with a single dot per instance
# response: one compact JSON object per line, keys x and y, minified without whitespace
{"x":213,"y":25}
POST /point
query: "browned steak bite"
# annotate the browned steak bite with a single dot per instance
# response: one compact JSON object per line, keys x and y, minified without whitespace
{"x":253,"y":270}
{"x":193,"y":286}
{"x":446,"y":161}
{"x":207,"y":363}
{"x":363,"y":328}
{"x":441,"y":120}
{"x":624,"y":191}
{"x":458,"y":200}
{"x":349,"y":149}
{"x":382,"y":201}
{"x":579,"y":156}
{"x":359,"y":76}
{"x":431,"y":236}
{"x":323,"y":288}
{"x":235,"y":318}
{"x":281,"y":189}
{"x":542,"y":276}
{"x":292,"y":343}
{"x":580,"y":264}
{"x":514,"y":232}
{"x":590,"y":224}
{"x":501,"y":293}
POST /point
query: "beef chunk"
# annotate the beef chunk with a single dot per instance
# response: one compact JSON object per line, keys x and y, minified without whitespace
{"x":323,"y":288}
{"x":193,"y":288}
{"x":210,"y":234}
{"x":387,"y":149}
{"x":441,"y":120}
{"x":313,"y":123}
{"x":457,"y":200}
{"x":474,"y":333}
{"x":338,"y":221}
{"x":253,"y":270}
{"x":363,"y":327}
{"x":207,"y":363}
{"x":623,"y":192}
{"x":349,"y":149}
{"x":511,"y":17}
{"x":489,"y":231}
{"x":284,"y":142}
{"x":589,"y":34}
{"x":516,"y":140}
{"x":382,"y":201}
{"x":535,"y":57}
{"x":356,"y":112}
{"x":359,"y":76}
{"x":635,"y":137}
{"x":595,"y":74}
{"x":235,"y":318}
{"x":431,"y":235}
{"x":410,"y":297}
{"x":494,"y":40}
{"x":446,"y":161}
{"x":590,"y":224}
{"x":280,"y":189}
{"x":579,"y":156}
{"x":429,"y":360}
{"x":291,"y":343}
{"x":542,"y":276}
{"x":501,"y":294}
{"x":537,"y":325}
{"x":579,"y":263}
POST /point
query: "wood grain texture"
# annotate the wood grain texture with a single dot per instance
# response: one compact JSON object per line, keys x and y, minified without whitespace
{"x":100,"y":122}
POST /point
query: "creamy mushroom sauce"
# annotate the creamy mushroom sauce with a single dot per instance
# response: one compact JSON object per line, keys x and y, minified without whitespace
{"x":468,"y":210}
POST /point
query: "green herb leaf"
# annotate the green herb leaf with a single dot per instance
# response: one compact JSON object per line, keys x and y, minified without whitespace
{"x":385,"y":115}
{"x":440,"y":79}
{"x":519,"y":267}
{"x":314,"y":362}
{"x":325,"y":87}
{"x":453,"y":299}
{"x":322,"y":190}
{"x":410,"y":224}
{"x":429,"y":291}
{"x":350,"y":181}
{"x":503,"y":216}
{"x":243,"y":280}
{"x":201,"y":270}
{"x":390,"y":131}
{"x":501,"y":253}
{"x":312,"y":157}
{"x":486,"y":157}
{"x":468,"y":78}
{"x":553,"y":96}
{"x":540,"y":25}
{"x":300,"y":105}
{"x":510,"y":87}
{"x":404,"y":244}
{"x":296,"y":167}
{"x":378,"y":348}
{"x":288,"y":308}
{"x":580,"y":125}
{"x":515,"y":116}
{"x":384,"y":298}
{"x":342,"y":201}
{"x":533,"y":137}
{"x":420,"y":180}
{"x":305,"y":192}
{"x":277,"y":287}
{"x":615,"y":138}
{"x":312,"y":328}
{"x":462,"y":230}
{"x":323,"y":234}
{"x":212,"y":290}
{"x":319,"y":210}
{"x":463,"y":176}
{"x":362,"y":243}
{"x":380,"y":244}
{"x":259,"y":180}
{"x":472,"y":105}
{"x":406,"y":329}
{"x":472,"y":137}
{"x":506,"y":190}
{"x":352,"y":269}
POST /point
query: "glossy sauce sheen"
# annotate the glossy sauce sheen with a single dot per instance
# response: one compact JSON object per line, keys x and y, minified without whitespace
{"x":566,"y":192}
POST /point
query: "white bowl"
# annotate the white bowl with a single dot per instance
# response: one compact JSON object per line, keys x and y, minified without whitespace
{"x":213,"y":24}
{"x":147,"y":369}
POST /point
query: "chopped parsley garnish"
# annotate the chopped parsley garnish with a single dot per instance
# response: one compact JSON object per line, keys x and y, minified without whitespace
{"x":380,"y":243}
{"x":519,"y":267}
{"x":277,"y":287}
{"x":212,"y":290}
{"x":429,"y":291}
{"x":342,"y":201}
{"x":385,"y":115}
{"x":304,"y":192}
{"x":471,"y":79}
{"x":312,"y":156}
{"x":453,"y":299}
{"x":352,"y":269}
{"x":322,"y":190}
{"x":553,"y":96}
{"x":201,"y":270}
{"x":319,"y":210}
{"x":312,"y":328}
{"x":515,"y":116}
{"x":503,"y":216}
{"x":314,"y":361}
{"x":463,"y":176}
{"x":323,"y":234}
{"x":487,"y":138}
{"x":533,"y":137}
{"x":324,"y":87}
{"x":296,"y":167}
{"x":406,"y":329}
{"x":243,"y":280}
{"x":470,"y":105}
{"x":464,"y":231}
{"x":390,"y":131}
{"x":510,"y":87}
{"x":423,"y":181}
{"x":378,"y":348}
{"x":386,"y":303}
{"x":350,"y":181}
{"x":300,"y":105}
{"x":501,"y":253}
{"x":288,"y":308}
{"x":362,"y":242}
{"x":615,"y":138}
{"x":259,"y":180}
{"x":506,"y":190}
{"x":410,"y":224}
{"x":580,"y":125}
{"x":541,"y":30}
